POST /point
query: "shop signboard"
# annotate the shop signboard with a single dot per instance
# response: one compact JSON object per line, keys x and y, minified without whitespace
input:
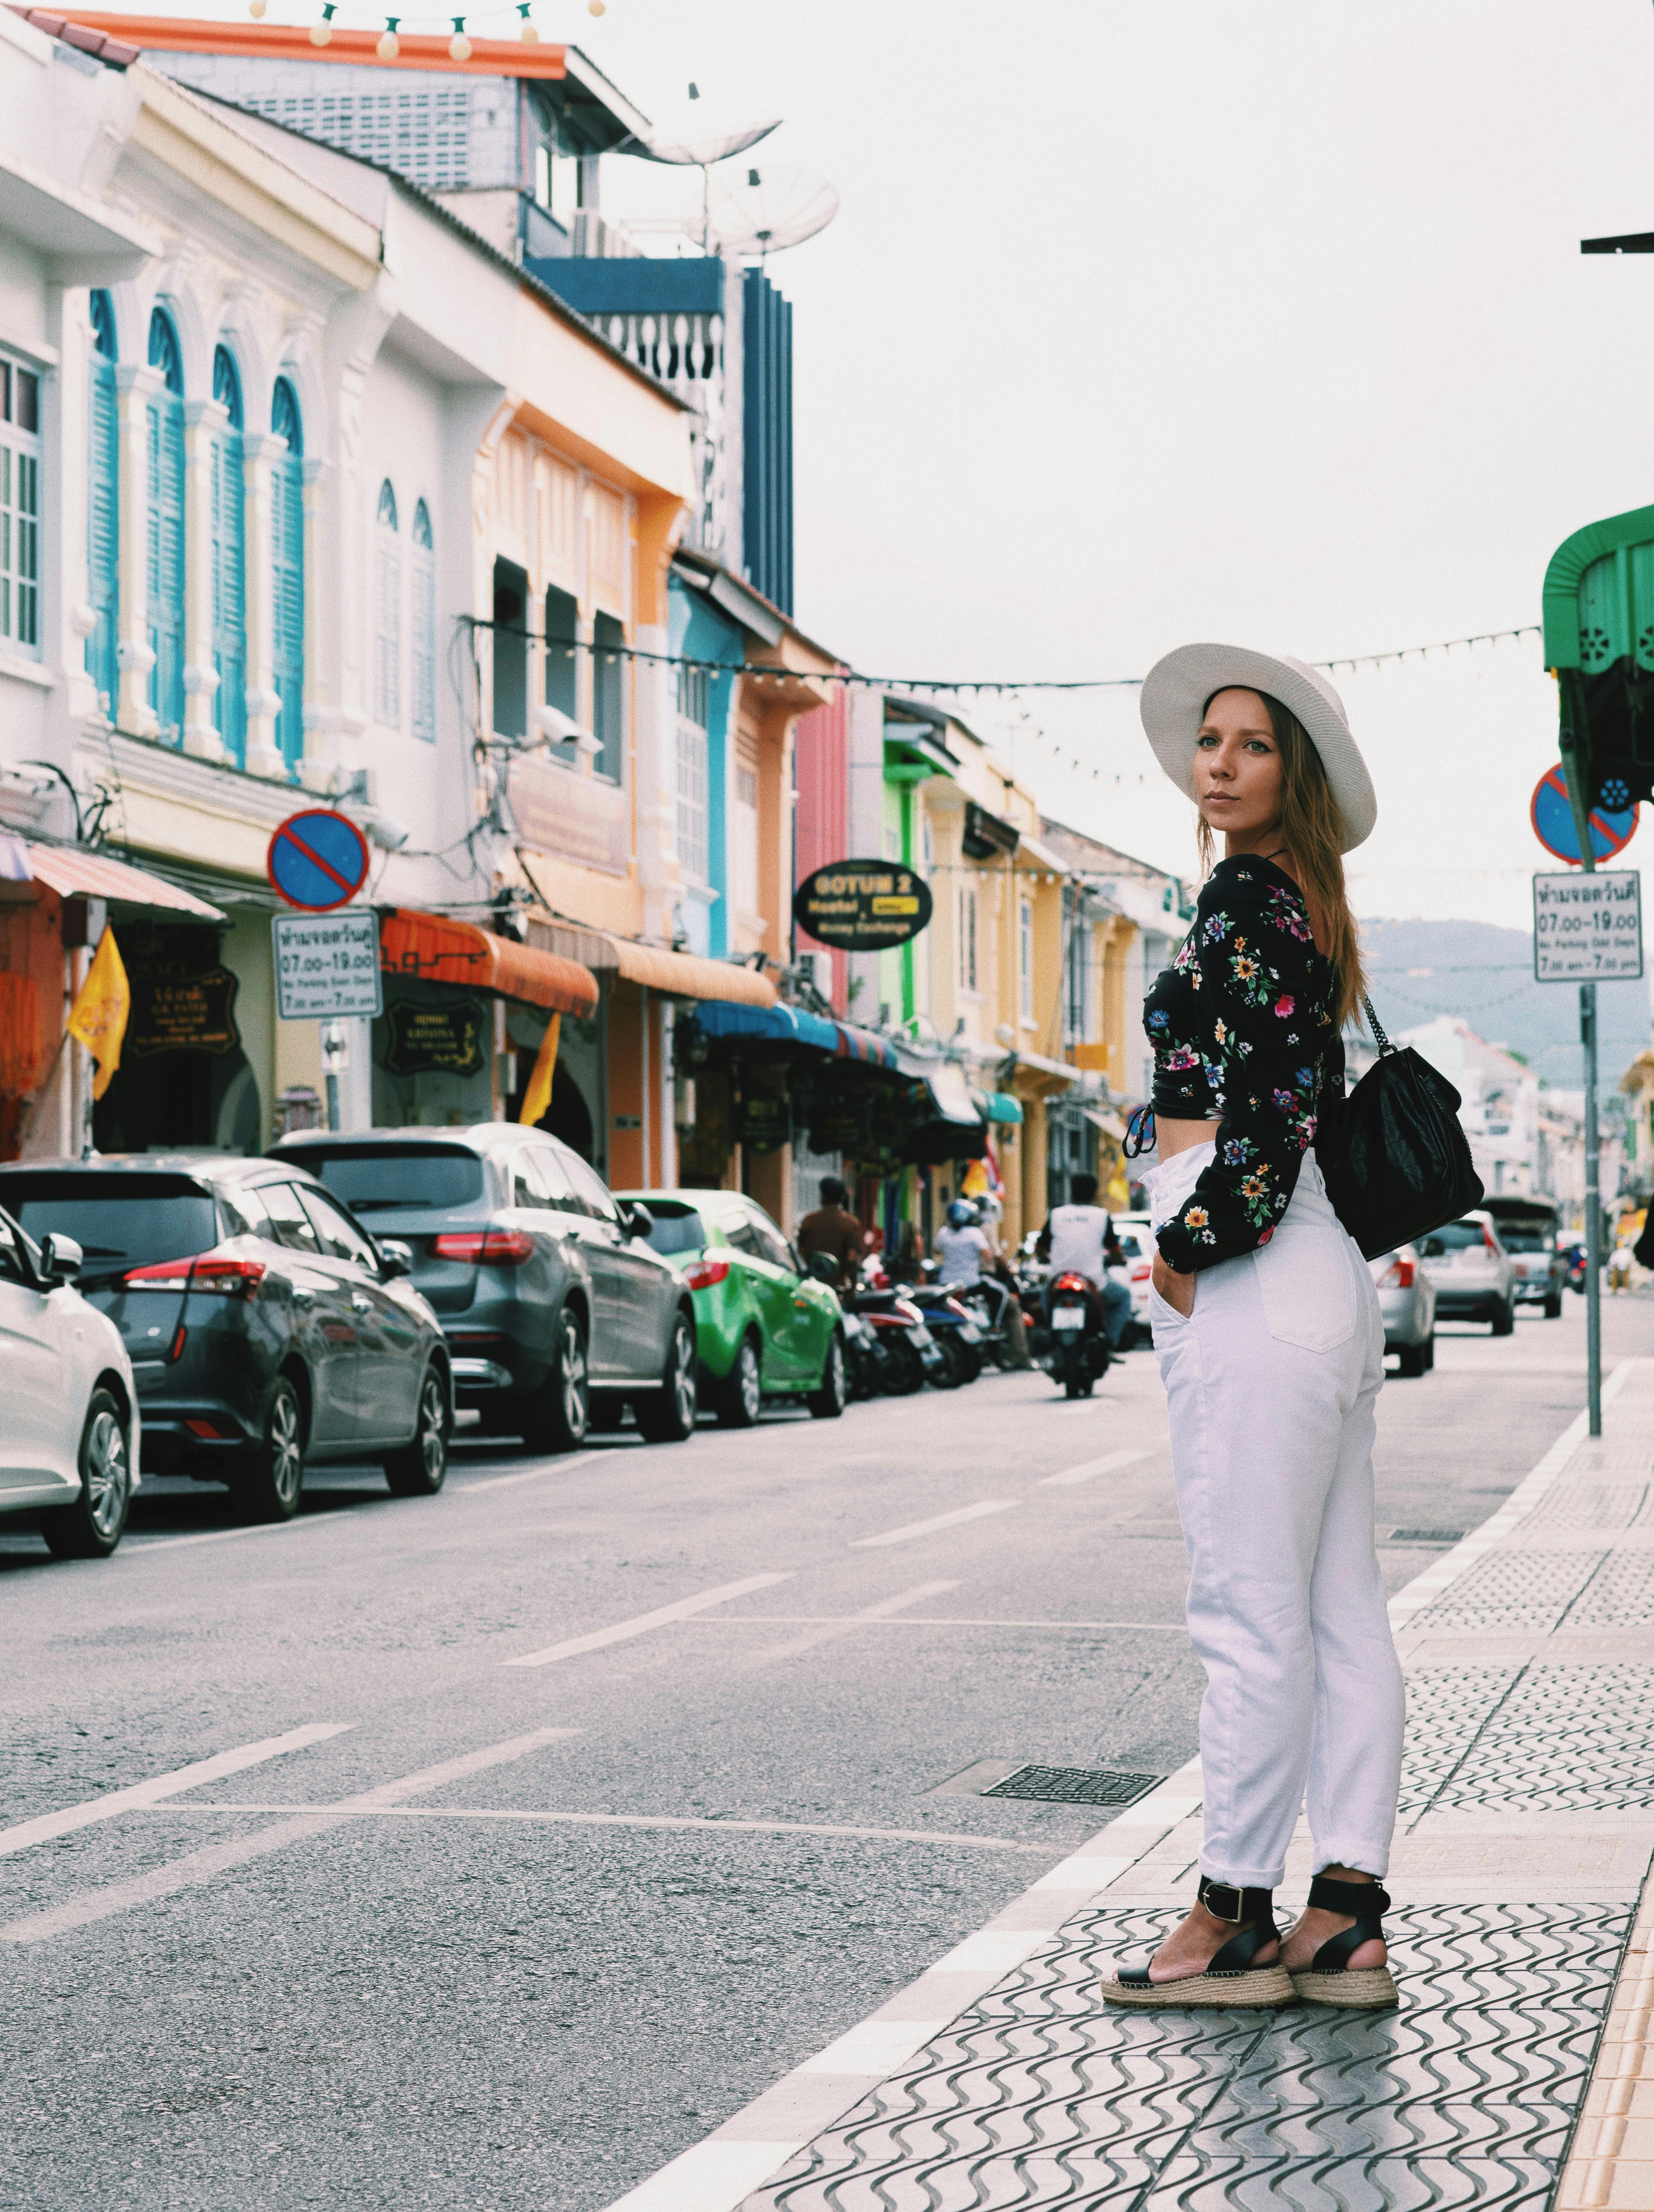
{"x":427,"y":1040}
{"x":863,"y":906}
{"x":327,"y":966}
{"x":182,"y":1013}
{"x":1588,"y":928}
{"x":570,"y":815}
{"x":765,"y":1122}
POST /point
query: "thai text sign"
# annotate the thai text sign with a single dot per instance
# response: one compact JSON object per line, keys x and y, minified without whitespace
{"x":1588,"y":928}
{"x":570,"y":815}
{"x":182,"y":1013}
{"x":327,"y":966}
{"x":436,"y":1040}
{"x":863,"y":906}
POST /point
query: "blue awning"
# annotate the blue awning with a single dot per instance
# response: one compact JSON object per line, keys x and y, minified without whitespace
{"x":997,"y":1106}
{"x":793,"y":1025}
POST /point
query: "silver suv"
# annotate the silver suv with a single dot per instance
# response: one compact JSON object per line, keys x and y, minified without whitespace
{"x":1470,"y":1273}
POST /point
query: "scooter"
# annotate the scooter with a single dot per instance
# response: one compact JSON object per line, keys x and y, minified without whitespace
{"x":1079,"y":1343}
{"x":958,"y":1333}
{"x":909,"y":1355}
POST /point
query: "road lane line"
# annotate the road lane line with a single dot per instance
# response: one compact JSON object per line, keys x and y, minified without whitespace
{"x":199,"y":1866}
{"x":553,"y":1816}
{"x":640,"y":1624}
{"x":932,"y":1620}
{"x":143,"y":1548}
{"x":907,"y":1534}
{"x":1089,"y":1467}
{"x":161,"y":1787}
{"x":829,"y":1631}
{"x":530,"y":1474}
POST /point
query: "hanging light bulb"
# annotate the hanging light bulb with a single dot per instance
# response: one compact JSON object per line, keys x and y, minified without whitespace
{"x":389,"y":46}
{"x":596,"y":7}
{"x":321,"y":34}
{"x":255,"y":9}
{"x":459,"y":47}
{"x":529,"y":35}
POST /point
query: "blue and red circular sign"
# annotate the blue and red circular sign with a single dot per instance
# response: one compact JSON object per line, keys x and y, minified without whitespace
{"x":318,"y":859}
{"x":1552,"y":816}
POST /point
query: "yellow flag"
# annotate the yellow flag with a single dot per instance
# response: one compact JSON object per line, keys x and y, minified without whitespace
{"x":98,"y":1016}
{"x":537,"y":1096}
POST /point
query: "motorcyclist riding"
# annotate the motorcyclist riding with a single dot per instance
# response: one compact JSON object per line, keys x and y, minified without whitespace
{"x":961,"y":1247}
{"x":1079,"y":1239}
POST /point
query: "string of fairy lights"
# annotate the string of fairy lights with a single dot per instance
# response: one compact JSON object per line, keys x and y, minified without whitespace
{"x":387,"y":46}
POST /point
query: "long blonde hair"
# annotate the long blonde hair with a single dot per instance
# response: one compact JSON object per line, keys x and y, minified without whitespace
{"x":1311,"y":832}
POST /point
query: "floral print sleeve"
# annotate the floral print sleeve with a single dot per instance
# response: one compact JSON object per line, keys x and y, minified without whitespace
{"x":1243,"y":1030}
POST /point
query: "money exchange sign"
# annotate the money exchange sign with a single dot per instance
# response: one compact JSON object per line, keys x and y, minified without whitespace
{"x":863,"y":906}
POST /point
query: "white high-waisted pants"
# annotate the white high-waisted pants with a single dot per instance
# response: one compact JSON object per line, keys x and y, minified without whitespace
{"x":1271,"y":1387}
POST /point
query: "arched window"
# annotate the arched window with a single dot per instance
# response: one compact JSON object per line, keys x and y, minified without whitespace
{"x":387,"y":613}
{"x":287,"y":564}
{"x":103,"y":508}
{"x":229,"y":563}
{"x":164,"y":555}
{"x":424,"y":626}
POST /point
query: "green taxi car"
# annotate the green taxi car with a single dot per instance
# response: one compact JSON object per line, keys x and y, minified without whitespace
{"x":765,"y":1327}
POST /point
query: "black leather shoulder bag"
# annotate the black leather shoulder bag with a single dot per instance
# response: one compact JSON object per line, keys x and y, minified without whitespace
{"x":1395,"y":1161}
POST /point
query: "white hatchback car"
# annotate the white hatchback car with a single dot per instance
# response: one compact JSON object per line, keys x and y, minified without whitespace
{"x":69,"y":1418}
{"x":1136,"y":1238}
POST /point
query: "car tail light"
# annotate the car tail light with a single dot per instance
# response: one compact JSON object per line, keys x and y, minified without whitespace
{"x":1071,"y":1283}
{"x":705,"y":1273}
{"x":1488,"y":1239}
{"x":1141,"y":1275}
{"x":485,"y":1248}
{"x":1397,"y":1276}
{"x":230,"y":1275}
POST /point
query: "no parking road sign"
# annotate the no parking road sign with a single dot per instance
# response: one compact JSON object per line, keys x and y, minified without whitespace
{"x":318,"y":859}
{"x":1588,"y":928}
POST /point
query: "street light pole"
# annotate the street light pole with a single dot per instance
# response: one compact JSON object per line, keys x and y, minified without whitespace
{"x":1593,"y":1216}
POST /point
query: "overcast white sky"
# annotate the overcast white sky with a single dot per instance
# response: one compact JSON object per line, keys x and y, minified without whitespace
{"x":1143,"y":324}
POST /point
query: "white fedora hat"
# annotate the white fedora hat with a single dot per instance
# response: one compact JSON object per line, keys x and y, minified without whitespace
{"x":1173,"y":705}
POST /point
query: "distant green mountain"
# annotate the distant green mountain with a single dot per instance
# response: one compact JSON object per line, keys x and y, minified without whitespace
{"x":1484,"y":974}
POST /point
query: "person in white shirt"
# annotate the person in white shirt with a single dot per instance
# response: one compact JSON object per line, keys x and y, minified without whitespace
{"x":961,"y":1247}
{"x":1079,"y":1240}
{"x":1618,"y":1267}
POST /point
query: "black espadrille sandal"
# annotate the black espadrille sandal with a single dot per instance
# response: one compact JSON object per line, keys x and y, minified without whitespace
{"x":1231,"y":1980}
{"x":1329,"y":1979}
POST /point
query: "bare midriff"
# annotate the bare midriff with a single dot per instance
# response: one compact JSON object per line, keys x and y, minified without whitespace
{"x":1172,"y":1137}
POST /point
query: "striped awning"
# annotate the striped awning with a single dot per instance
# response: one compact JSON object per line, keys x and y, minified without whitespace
{"x":73,"y":873}
{"x":434,"y":948}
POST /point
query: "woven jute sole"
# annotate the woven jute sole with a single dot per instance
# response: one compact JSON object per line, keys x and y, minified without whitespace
{"x":1363,"y":1991}
{"x":1262,"y":1985}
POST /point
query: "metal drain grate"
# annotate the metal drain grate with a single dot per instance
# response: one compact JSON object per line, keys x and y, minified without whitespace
{"x":1075,"y":1786}
{"x":1426,"y":1535}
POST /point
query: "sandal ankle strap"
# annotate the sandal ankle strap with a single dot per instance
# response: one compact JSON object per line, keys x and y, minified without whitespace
{"x":1368,"y":1901}
{"x":1240,"y":1908}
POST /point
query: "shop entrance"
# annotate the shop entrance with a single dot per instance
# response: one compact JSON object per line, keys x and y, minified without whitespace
{"x":183,"y":1080}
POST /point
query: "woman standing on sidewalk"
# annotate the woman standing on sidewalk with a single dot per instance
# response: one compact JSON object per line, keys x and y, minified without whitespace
{"x":1269,"y":1342}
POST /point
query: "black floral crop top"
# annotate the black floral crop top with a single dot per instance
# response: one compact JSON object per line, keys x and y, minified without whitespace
{"x":1242,"y":1023}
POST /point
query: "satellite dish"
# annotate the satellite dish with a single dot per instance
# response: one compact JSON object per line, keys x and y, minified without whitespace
{"x":769,"y":209}
{"x":697,"y":152}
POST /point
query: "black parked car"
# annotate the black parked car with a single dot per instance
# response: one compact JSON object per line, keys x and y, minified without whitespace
{"x":263,"y":1325}
{"x":544,"y":1283}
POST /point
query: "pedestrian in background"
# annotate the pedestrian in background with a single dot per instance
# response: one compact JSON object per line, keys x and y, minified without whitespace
{"x":1619,"y":1265}
{"x":1271,"y":1345}
{"x":833,"y":1229}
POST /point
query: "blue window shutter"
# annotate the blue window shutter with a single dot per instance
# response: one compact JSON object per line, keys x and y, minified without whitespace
{"x":288,"y":587}
{"x":165,"y":578}
{"x":229,"y":597}
{"x":103,"y":540}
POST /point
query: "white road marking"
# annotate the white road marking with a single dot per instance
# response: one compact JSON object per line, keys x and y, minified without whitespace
{"x":217,"y":1858}
{"x":142,"y":1549}
{"x":529,"y":1474}
{"x":1089,"y":1467}
{"x":161,"y":1787}
{"x":552,"y":1816}
{"x":929,"y":1620}
{"x":641,"y":1625}
{"x":905,"y":1535}
{"x":827,"y":1630}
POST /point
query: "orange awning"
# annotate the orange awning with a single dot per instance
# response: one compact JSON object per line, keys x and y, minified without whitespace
{"x":690,"y":975}
{"x":433,"y":948}
{"x":73,"y":873}
{"x":291,"y":42}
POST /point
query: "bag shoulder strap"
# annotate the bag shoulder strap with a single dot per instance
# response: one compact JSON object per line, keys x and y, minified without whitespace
{"x":1385,"y":1045}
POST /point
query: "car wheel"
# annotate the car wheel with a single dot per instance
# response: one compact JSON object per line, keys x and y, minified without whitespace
{"x":741,"y":1394}
{"x":828,"y":1402}
{"x":91,"y":1528}
{"x":558,"y":1416}
{"x":1553,"y":1306}
{"x":420,"y":1469}
{"x":268,"y":1484}
{"x":1505,"y":1318}
{"x":667,"y":1416}
{"x":1430,"y":1352}
{"x":1410,"y":1358}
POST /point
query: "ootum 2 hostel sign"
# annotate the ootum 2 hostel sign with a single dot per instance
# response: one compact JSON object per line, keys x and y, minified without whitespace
{"x":863,"y":906}
{"x":1588,"y":928}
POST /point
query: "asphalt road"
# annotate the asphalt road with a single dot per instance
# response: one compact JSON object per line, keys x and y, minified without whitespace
{"x":557,"y":1920}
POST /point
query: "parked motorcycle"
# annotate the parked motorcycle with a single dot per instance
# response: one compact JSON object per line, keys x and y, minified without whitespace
{"x":909,"y":1355}
{"x":958,"y":1333}
{"x":1079,"y":1344}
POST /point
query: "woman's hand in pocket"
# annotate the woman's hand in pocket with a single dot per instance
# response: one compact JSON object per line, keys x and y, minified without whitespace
{"x":1177,"y":1290}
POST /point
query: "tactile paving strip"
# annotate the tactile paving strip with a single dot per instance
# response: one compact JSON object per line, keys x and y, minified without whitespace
{"x":1621,"y":1595}
{"x":1042,"y":2096}
{"x":1566,"y":1738}
{"x":1605,"y":1504}
{"x":1447,"y":1708}
{"x":1510,"y":1588}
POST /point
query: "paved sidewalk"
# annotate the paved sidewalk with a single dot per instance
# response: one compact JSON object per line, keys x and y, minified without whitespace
{"x":1519,"y":2068}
